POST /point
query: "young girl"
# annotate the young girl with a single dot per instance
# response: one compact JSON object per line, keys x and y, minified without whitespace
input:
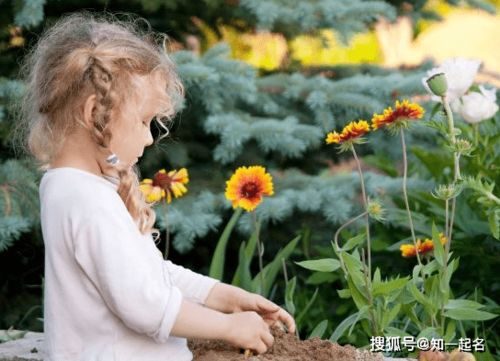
{"x":93,"y":86}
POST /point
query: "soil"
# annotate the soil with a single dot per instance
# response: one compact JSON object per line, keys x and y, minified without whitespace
{"x":286,"y":347}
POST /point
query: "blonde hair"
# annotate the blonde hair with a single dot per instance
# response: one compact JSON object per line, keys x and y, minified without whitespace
{"x":84,"y":54}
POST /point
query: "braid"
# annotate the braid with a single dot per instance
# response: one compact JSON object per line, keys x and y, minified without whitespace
{"x":101,"y":79}
{"x":133,"y":198}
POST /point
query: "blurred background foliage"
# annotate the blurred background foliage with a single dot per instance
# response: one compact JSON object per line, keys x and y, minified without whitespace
{"x":265,"y":81}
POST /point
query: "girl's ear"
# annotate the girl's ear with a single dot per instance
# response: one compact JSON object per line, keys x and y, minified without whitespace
{"x":88,"y":111}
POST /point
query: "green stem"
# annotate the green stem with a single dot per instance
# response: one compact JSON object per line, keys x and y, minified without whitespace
{"x":259,"y":251}
{"x":365,"y":201}
{"x":446,"y":217}
{"x":167,"y":231}
{"x":405,"y":193}
{"x":475,"y":127}
{"x":374,"y":324}
{"x":336,"y":236}
{"x":456,"y":162}
{"x":456,"y":177}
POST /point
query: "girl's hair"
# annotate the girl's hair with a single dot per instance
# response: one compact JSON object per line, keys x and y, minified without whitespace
{"x":84,"y":54}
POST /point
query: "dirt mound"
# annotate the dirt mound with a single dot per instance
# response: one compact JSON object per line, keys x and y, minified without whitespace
{"x":286,"y":347}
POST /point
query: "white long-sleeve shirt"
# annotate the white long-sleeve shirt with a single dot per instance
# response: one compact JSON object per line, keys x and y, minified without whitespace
{"x":108,"y":293}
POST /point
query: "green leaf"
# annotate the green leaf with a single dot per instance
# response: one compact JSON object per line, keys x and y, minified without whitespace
{"x":438,"y":247}
{"x":346,"y":323}
{"x":321,"y":265}
{"x":359,"y":298}
{"x":464,"y":314}
{"x":416,"y":272}
{"x":387,"y":287}
{"x":445,"y":281}
{"x":376,"y":276}
{"x":318,"y":278}
{"x":243,"y":272}
{"x":345,"y":293}
{"x":390,"y":315}
{"x":353,"y":266}
{"x":430,"y":267}
{"x":218,"y":259}
{"x":423,"y":300}
{"x":395,"y":332}
{"x":353,"y":242}
{"x":450,"y":331}
{"x":319,"y":330}
{"x":409,"y":311}
{"x":452,"y":304}
{"x":247,"y":257}
{"x":289,"y":292}
{"x":429,"y":333}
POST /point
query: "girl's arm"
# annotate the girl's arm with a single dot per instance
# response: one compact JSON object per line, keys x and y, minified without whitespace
{"x":229,"y":299}
{"x":244,"y":329}
{"x":193,"y":286}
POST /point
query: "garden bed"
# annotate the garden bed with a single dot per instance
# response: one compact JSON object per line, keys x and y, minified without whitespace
{"x":286,"y":347}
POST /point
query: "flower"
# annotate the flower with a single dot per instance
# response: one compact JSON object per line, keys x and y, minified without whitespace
{"x":477,"y":106}
{"x":351,"y":132}
{"x":151,"y":192}
{"x":247,"y":186}
{"x":403,"y":111}
{"x":459,"y":73}
{"x":409,"y":250}
{"x":165,"y":184}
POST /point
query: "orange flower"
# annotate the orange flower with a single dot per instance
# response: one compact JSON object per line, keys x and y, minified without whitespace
{"x":164,"y":185}
{"x":247,"y":186}
{"x":408,"y":250}
{"x":403,"y":111}
{"x":350,"y":132}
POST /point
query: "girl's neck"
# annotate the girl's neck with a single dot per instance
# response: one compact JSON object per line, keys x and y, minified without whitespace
{"x":77,"y":153}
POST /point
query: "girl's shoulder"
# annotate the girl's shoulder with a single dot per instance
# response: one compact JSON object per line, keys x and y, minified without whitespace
{"x":67,"y":186}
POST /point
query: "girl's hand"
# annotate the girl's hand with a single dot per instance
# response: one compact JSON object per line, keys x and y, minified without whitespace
{"x":228,"y":299}
{"x":248,"y":330}
{"x":269,"y":311}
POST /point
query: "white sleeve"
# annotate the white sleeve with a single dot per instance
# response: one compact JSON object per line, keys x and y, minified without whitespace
{"x":194,"y":286}
{"x":126,"y":270}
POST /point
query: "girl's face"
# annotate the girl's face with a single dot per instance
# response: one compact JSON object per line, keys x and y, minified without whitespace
{"x":130,"y":130}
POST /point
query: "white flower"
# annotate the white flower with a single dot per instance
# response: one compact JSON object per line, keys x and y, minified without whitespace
{"x":475,"y":106}
{"x":459,"y":73}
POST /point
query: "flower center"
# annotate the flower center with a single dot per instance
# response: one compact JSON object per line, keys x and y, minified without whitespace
{"x":250,"y":190}
{"x":162,"y":180}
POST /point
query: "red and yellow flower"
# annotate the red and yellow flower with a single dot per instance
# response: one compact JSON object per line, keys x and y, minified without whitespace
{"x":403,"y":111}
{"x":351,"y":132}
{"x":409,"y":250}
{"x":165,"y":184}
{"x":247,"y":186}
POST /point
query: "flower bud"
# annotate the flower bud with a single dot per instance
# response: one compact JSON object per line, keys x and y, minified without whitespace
{"x":463,"y":146}
{"x":437,"y":84}
{"x":446,"y":192}
{"x":376,"y":211}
